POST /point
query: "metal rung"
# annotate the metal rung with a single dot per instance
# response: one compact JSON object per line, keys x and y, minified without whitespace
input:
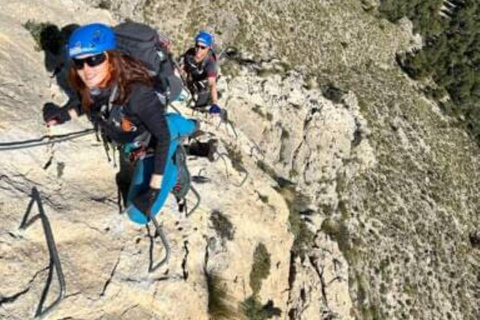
{"x":52,"y":249}
{"x":199,"y":199}
{"x":158,"y":232}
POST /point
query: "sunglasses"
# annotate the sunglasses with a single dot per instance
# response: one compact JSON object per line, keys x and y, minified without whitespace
{"x":92,"y":61}
{"x":200,"y":47}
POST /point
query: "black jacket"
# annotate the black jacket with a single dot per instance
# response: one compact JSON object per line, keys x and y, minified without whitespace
{"x":144,"y":111}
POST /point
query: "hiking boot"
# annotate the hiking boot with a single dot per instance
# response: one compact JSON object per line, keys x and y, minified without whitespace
{"x":203,"y":149}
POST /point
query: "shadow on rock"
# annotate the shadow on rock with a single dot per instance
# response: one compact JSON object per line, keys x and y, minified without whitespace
{"x":53,"y":41}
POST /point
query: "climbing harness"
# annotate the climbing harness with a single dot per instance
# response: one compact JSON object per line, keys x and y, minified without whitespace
{"x":52,"y":249}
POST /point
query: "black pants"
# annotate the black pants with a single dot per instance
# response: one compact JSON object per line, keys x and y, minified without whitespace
{"x":204,"y":99}
{"x":124,"y":176}
{"x":200,"y":93}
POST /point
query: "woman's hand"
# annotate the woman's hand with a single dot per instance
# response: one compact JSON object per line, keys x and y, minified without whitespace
{"x":54,"y":114}
{"x":155,"y":181}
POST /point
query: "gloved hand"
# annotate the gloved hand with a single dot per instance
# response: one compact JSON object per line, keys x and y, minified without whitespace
{"x":53,"y":114}
{"x":214,"y":109}
{"x":144,"y":201}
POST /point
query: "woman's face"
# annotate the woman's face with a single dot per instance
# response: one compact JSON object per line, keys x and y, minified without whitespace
{"x":93,"y":69}
{"x":201,"y":51}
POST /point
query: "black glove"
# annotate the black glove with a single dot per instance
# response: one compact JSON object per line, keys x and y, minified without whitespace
{"x":144,"y":201}
{"x":53,"y":112}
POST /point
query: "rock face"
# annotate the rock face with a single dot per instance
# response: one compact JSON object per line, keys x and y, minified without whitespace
{"x":360,"y":202}
{"x":104,"y":256}
{"x":132,"y":9}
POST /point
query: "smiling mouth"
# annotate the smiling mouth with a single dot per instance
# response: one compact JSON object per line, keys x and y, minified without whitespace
{"x":90,"y":78}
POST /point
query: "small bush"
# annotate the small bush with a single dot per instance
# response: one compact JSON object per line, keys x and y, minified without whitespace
{"x":254,"y":310}
{"x":297,"y":203}
{"x":223,"y":227}
{"x":257,"y":110}
{"x":303,"y":236}
{"x":293,"y":173}
{"x":331,"y":227}
{"x":235,"y":157}
{"x":219,"y":306}
{"x":105,"y":4}
{"x":333,"y":93}
{"x":475,"y":239}
{"x":263,"y":198}
{"x":267,"y":169}
{"x":260,"y":267}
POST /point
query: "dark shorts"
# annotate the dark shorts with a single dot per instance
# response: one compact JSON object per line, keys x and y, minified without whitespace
{"x":203,"y":99}
{"x":176,"y":87}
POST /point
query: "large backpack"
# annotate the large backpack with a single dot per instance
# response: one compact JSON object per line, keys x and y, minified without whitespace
{"x":176,"y":177}
{"x":143,"y":43}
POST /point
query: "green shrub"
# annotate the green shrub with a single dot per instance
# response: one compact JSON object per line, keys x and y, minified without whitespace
{"x":263,"y":198}
{"x":260,"y":267}
{"x":105,"y":4}
{"x":254,"y":310}
{"x":333,"y":93}
{"x":262,"y":165}
{"x":219,"y":301}
{"x":257,"y":110}
{"x":223,"y":227}
{"x":297,"y":203}
{"x":235,"y":157}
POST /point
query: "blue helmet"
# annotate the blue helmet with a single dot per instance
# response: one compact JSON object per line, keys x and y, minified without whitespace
{"x":92,"y":38}
{"x":205,"y":38}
